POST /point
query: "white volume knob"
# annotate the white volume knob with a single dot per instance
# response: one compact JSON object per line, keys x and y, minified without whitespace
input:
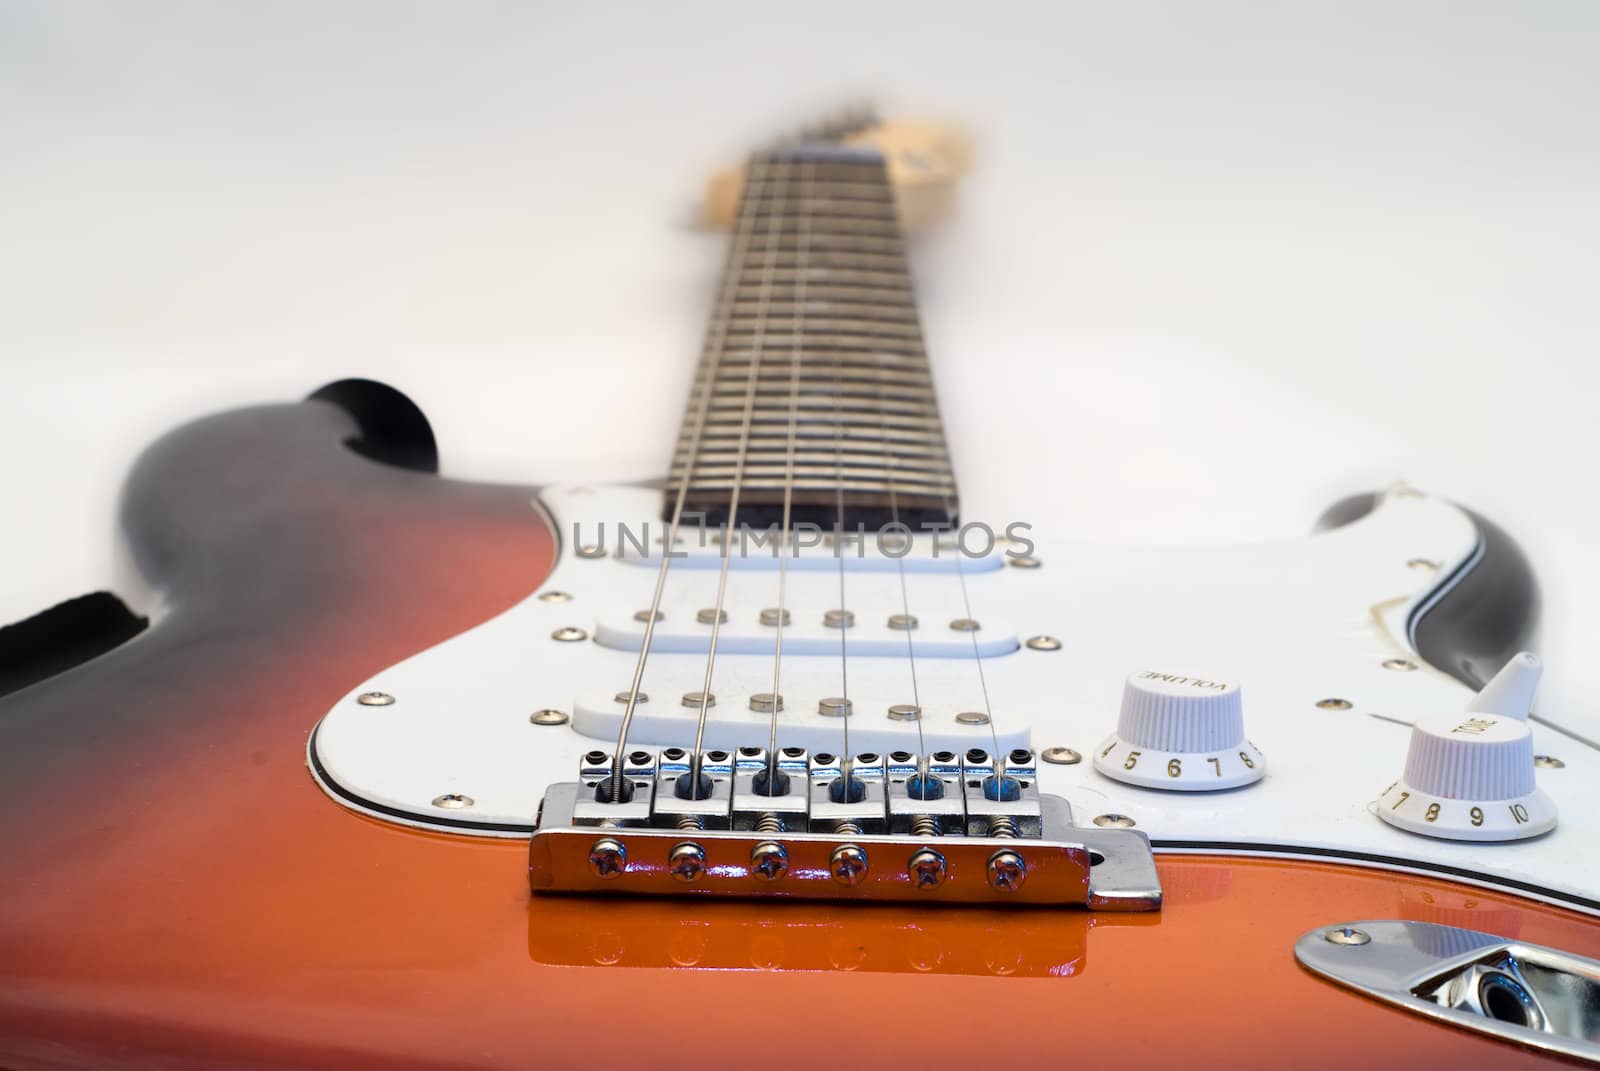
{"x":1180,"y":733}
{"x":1470,"y":776}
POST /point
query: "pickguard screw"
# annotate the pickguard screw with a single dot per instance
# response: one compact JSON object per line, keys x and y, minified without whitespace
{"x":1402,"y":664}
{"x":905,"y":712}
{"x":926,"y":869}
{"x":1023,"y":561}
{"x":607,"y":858}
{"x":1347,"y":935}
{"x":848,"y":865}
{"x":1061,"y":756}
{"x":964,"y":624}
{"x":1334,"y":704}
{"x":375,"y":699}
{"x":1423,"y":564}
{"x":622,"y":697}
{"x":1114,"y":821}
{"x":453,"y":801}
{"x":1043,"y":643}
{"x":972,"y":717}
{"x":769,"y":860}
{"x":548,"y":717}
{"x":1548,"y":762}
{"x":687,"y":861}
{"x":554,"y":596}
{"x":592,"y":551}
{"x":1007,"y":871}
{"x":569,"y":634}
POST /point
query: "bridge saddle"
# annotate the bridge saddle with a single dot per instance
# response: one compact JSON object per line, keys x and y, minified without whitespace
{"x":956,"y":828}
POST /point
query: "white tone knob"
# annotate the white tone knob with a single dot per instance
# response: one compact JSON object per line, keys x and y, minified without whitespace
{"x":1469,"y":776}
{"x":1180,"y":733}
{"x":1510,"y":694}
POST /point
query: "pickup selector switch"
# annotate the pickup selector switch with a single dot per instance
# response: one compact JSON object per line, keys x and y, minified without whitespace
{"x":1180,"y":733}
{"x":1470,"y":776}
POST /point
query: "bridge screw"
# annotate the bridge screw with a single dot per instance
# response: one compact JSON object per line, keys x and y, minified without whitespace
{"x":768,"y":860}
{"x":1007,"y":871}
{"x":607,"y":858}
{"x":848,"y":865}
{"x":926,"y":868}
{"x":687,"y":861}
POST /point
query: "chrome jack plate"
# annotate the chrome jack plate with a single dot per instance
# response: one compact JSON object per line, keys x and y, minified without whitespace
{"x":1528,"y":994}
{"x":1102,"y":869}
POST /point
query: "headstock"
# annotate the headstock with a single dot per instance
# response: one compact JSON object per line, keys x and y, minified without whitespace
{"x":924,"y":160}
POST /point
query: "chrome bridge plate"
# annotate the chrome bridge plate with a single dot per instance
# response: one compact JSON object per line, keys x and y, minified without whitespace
{"x":1101,"y":869}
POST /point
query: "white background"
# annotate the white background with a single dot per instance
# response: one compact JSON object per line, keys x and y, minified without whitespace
{"x":1218,"y":264}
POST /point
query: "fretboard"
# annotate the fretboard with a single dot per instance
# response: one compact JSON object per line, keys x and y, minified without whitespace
{"x":816,"y":304}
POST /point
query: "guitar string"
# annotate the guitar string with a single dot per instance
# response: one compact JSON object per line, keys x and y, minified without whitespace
{"x":752,"y":380}
{"x":936,"y":433}
{"x":716,"y":337}
{"x":846,"y":760}
{"x":891,"y":459}
{"x":977,"y":659}
{"x":803,"y":229}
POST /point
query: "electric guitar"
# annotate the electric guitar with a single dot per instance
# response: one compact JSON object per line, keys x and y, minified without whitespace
{"x":788,"y":758}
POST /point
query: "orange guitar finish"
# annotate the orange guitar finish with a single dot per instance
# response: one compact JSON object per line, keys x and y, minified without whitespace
{"x":176,"y":892}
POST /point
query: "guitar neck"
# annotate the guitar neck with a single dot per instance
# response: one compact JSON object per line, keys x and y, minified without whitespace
{"x":813,"y":388}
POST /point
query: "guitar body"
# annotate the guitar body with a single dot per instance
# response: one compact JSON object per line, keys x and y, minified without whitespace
{"x":178,"y":891}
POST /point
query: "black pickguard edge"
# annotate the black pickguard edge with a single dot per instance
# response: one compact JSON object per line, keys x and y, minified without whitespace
{"x":1488,"y":612}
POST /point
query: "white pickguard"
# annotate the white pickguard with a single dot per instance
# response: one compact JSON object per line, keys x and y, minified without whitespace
{"x":1295,"y":621}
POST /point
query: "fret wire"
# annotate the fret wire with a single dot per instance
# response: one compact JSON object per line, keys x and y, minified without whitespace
{"x":837,"y":258}
{"x":850,"y":282}
{"x":909,"y":364}
{"x":913,"y":441}
{"x":869,"y":312}
{"x":852,"y":369}
{"x":915,"y":465}
{"x":857,"y":285}
{"x":894,"y":419}
{"x":911,"y":396}
{"x":824,"y":241}
{"x":910,"y":401}
{"x":860,"y":308}
{"x":860,"y":463}
{"x":852,"y":386}
{"x":902,"y":335}
{"x":846,"y":350}
{"x":867,"y":344}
